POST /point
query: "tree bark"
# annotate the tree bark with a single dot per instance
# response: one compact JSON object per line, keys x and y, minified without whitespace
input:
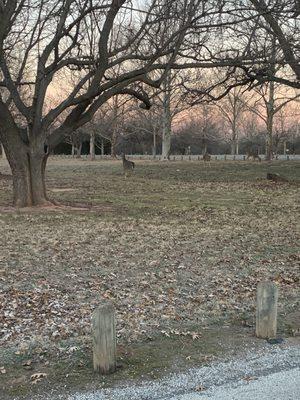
{"x":234,"y":145}
{"x":28,"y":170}
{"x":167,"y":120}
{"x":154,"y":143}
{"x":166,"y":144}
{"x":113,"y":143}
{"x":232,"y":148}
{"x":3,"y":155}
{"x":269,"y":139}
{"x":92,"y":147}
{"x":27,"y":160}
{"x":270,"y":106}
{"x":78,"y":151}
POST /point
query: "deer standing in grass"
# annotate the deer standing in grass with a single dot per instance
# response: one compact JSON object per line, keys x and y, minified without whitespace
{"x":206,"y":158}
{"x":252,"y":155}
{"x":128,"y":166}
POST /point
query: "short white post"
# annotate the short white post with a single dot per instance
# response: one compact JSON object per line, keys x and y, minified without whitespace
{"x":266,"y":310}
{"x":104,"y":339}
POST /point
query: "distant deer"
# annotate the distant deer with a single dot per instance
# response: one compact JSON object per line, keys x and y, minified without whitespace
{"x":252,"y":155}
{"x":128,"y":166}
{"x":206,"y":158}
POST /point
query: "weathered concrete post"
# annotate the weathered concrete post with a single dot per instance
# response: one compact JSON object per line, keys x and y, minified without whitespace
{"x":104,"y":339}
{"x":266,"y":310}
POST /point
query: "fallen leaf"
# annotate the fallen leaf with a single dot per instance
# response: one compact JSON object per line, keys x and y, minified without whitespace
{"x":37,"y":377}
{"x":199,"y":388}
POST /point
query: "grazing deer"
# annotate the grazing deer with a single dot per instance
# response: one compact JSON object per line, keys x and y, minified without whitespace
{"x":128,"y":166}
{"x":252,"y":155}
{"x":206,"y":158}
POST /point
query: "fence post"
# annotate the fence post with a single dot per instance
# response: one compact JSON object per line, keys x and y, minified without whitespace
{"x":266,"y":310}
{"x":104,"y":339}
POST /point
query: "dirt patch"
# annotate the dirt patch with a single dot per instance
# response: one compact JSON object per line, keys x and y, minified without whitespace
{"x":59,"y":208}
{"x":59,"y":190}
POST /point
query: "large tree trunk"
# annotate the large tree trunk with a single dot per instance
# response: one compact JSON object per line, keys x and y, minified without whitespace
{"x":28,"y":170}
{"x":27,"y":159}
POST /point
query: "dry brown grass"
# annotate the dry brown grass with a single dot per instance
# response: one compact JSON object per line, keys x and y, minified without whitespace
{"x":174,"y":244}
{"x":175,"y":247}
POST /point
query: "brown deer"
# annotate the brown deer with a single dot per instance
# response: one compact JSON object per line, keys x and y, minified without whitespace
{"x":251,"y":155}
{"x":206,"y":158}
{"x":128,"y":166}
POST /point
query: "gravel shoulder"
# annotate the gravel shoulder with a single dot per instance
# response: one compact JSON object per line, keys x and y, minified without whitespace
{"x":253,"y":373}
{"x":282,"y":385}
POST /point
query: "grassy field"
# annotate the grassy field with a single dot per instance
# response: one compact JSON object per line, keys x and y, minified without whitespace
{"x":175,"y":247}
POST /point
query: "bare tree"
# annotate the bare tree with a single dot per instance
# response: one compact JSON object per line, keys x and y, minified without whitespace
{"x":52,"y":38}
{"x":282,"y":22}
{"x":199,"y":132}
{"x":270,"y":100}
{"x":285,"y":128}
{"x":232,"y":107}
{"x":113,"y":48}
{"x":146,"y":124}
{"x":168,"y":104}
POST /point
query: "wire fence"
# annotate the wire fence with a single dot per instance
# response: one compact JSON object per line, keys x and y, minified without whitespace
{"x":192,"y":157}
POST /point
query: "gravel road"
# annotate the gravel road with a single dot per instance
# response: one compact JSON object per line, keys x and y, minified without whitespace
{"x":284,"y":385}
{"x":273,"y":373}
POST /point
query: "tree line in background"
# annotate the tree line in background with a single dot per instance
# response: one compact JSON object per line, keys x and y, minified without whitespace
{"x":230,"y":126}
{"x":75,"y":67}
